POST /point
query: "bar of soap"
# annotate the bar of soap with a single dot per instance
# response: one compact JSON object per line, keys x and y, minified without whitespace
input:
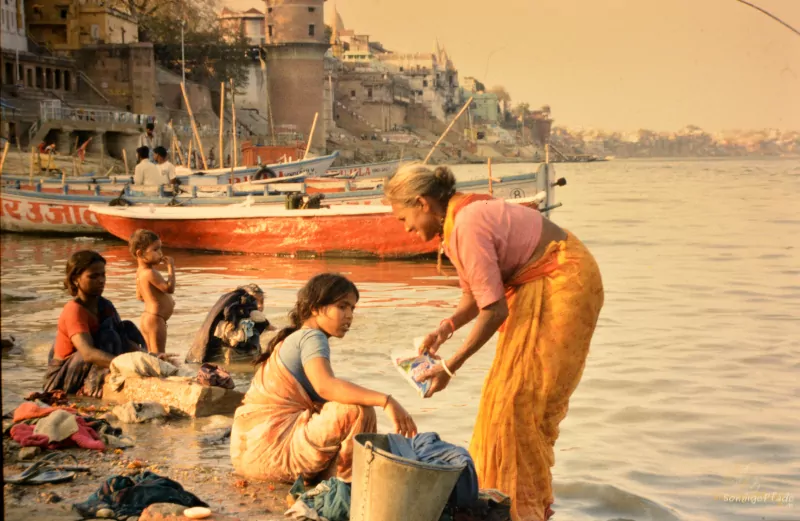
{"x":197,"y":512}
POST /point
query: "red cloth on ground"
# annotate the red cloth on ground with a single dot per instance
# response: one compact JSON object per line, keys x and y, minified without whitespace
{"x":29,"y":411}
{"x":85,"y":438}
{"x":23,"y":434}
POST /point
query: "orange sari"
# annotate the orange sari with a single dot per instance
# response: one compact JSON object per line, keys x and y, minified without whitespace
{"x":279,"y":433}
{"x":553,"y":303}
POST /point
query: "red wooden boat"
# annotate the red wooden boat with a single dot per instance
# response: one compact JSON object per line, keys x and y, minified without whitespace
{"x":343,"y":230}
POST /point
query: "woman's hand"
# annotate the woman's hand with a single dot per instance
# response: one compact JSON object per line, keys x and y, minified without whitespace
{"x":402,"y":421}
{"x":433,"y":341}
{"x":438,"y":377}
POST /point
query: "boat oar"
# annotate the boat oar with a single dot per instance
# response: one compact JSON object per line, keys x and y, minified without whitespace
{"x":551,"y":207}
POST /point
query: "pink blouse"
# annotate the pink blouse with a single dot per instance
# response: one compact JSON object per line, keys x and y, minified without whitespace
{"x":490,"y":241}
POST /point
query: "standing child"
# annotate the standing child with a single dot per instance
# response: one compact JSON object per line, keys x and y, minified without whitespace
{"x":152,"y":289}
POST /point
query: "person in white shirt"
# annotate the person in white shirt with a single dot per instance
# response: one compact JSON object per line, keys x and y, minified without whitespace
{"x":166,"y":167}
{"x":147,"y":173}
{"x":149,"y":139}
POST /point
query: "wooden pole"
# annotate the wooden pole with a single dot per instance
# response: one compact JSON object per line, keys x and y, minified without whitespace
{"x":311,"y":136}
{"x":547,"y":153}
{"x":189,"y":155}
{"x":463,"y":109}
{"x":102,"y":152}
{"x":194,"y":127}
{"x":3,"y":159}
{"x":178,"y":149}
{"x":221,"y":123}
{"x":33,"y":149}
{"x":235,"y":154}
{"x":125,"y":160}
{"x":491,"y":190}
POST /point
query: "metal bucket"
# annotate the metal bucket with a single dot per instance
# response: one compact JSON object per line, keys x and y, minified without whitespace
{"x":392,"y":488}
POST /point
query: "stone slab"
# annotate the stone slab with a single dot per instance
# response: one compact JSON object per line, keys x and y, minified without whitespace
{"x":180,"y":394}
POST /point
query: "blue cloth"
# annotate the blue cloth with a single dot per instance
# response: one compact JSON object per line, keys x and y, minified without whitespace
{"x":129,"y":496}
{"x":300,"y":347}
{"x":429,"y":448}
{"x":330,"y":498}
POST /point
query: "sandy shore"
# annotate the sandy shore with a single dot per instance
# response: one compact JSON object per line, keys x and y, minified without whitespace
{"x":225,"y":492}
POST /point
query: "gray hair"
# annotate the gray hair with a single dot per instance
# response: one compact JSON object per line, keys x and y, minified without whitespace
{"x":416,"y":180}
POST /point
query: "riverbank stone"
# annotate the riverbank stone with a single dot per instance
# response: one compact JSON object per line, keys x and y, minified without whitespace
{"x":180,"y":395}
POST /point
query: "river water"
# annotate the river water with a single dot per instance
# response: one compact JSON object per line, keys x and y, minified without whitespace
{"x":689,"y":402}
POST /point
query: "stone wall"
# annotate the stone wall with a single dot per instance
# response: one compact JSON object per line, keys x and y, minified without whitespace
{"x":125,"y":73}
{"x":296,"y":82}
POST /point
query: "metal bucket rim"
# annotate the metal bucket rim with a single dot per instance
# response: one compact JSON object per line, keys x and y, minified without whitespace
{"x":410,"y":462}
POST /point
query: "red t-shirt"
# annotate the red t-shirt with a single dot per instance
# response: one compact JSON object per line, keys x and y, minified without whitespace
{"x":76,"y":319}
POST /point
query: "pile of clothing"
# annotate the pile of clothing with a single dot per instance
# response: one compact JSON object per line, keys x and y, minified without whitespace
{"x":40,"y":425}
{"x":127,"y":496}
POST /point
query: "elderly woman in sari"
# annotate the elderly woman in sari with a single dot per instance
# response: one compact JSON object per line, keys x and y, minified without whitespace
{"x":538,"y":285}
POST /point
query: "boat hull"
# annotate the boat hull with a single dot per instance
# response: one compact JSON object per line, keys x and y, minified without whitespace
{"x":315,"y":167}
{"x":386,"y":168}
{"x":53,"y":211}
{"x":32,"y":214}
{"x":376,"y":235}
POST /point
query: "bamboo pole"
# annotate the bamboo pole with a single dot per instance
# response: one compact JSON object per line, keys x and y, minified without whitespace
{"x":491,"y":190}
{"x":33,"y":149}
{"x":189,"y":155}
{"x":221,"y":123}
{"x":235,"y":158}
{"x":177,"y":145}
{"x":311,"y":135}
{"x":463,"y":109}
{"x":3,"y":159}
{"x":125,"y":160}
{"x":194,"y":127}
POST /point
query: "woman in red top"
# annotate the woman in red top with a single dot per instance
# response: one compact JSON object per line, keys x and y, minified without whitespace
{"x":90,"y":332}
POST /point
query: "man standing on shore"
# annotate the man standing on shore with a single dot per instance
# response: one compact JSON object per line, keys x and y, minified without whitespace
{"x":148,"y":139}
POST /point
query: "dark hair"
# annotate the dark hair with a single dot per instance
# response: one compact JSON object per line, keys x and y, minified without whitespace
{"x":143,"y":152}
{"x":151,"y":126}
{"x":161,"y":151}
{"x":79,"y":262}
{"x":320,"y":291}
{"x":140,"y":240}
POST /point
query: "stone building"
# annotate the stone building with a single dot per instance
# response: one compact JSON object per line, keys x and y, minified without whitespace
{"x":380,"y":98}
{"x":68,"y":26}
{"x":251,"y":101}
{"x":295,"y":47}
{"x":432,"y":77}
{"x":12,"y":30}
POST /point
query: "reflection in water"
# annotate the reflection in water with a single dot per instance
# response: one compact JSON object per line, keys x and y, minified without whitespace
{"x":689,"y":392}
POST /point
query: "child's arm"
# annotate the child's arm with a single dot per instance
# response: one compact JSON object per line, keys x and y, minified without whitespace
{"x":155,"y":279}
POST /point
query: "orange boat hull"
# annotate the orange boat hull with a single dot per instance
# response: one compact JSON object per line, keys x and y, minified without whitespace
{"x":377,"y":235}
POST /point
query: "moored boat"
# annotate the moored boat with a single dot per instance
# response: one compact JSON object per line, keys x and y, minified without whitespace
{"x":385,"y":168}
{"x":57,"y":209}
{"x":312,"y":167}
{"x":338,"y":230}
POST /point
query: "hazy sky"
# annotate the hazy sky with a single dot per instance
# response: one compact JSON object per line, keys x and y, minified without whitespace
{"x":613,"y":64}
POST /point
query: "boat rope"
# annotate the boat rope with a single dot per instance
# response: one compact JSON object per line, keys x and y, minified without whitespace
{"x":764,"y":11}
